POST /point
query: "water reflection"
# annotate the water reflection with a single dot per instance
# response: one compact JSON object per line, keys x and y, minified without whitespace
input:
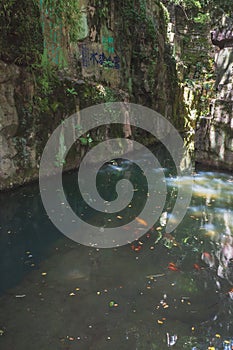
{"x":58,"y":294}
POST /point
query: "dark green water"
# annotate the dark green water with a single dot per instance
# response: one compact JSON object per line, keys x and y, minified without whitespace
{"x":57,"y":294}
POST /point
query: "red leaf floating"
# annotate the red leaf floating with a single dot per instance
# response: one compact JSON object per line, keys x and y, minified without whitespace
{"x":172,"y":267}
{"x":196,"y":267}
{"x":136,"y":248}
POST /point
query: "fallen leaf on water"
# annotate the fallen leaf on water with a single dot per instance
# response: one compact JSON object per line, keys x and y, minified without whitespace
{"x":226,"y":342}
{"x":196,"y":267}
{"x":185,"y":240}
{"x":208,"y":259}
{"x":172,"y":267}
{"x":170,"y":239}
{"x":71,"y":338}
{"x":141,"y":221}
{"x":112,"y":303}
{"x":136,"y":248}
{"x":155,"y":276}
{"x":159,"y":237}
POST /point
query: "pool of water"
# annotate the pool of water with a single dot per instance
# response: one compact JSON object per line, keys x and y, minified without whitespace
{"x":159,"y":290}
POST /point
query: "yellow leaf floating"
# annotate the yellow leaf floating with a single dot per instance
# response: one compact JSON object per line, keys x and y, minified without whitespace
{"x":141,"y":221}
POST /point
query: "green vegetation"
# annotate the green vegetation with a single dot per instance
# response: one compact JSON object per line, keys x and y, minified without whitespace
{"x":65,"y":13}
{"x":140,"y":23}
{"x":24,"y":41}
{"x":195,"y":66}
{"x":21,"y":38}
{"x":205,"y":11}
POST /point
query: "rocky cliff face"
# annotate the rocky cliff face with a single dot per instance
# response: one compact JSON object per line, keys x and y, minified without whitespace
{"x":214,"y":135}
{"x":205,"y":74}
{"x":121,"y":53}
